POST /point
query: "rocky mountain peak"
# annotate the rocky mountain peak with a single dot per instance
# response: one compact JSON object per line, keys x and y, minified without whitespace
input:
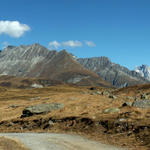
{"x":64,"y":52}
{"x":24,"y":52}
{"x":144,"y":71}
{"x":19,"y":60}
{"x":36,"y":46}
{"x":10,"y":47}
{"x":114,"y":73}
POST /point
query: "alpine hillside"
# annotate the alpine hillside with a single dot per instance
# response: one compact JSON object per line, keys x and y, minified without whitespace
{"x":113,"y":73}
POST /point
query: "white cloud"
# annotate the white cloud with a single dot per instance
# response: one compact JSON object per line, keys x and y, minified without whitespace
{"x":90,"y":43}
{"x":54,"y":44}
{"x":72,"y":43}
{"x":13,"y":28}
{"x":5,"y":44}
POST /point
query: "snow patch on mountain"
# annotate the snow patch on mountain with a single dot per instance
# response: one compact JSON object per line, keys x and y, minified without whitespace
{"x":144,"y":71}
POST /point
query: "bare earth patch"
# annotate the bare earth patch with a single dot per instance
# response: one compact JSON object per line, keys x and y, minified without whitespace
{"x":11,"y":144}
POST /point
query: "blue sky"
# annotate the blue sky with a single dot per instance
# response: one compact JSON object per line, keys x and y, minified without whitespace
{"x":117,"y":29}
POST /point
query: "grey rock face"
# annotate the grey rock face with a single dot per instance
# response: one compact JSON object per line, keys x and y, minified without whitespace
{"x":144,"y":71}
{"x":142,"y":104}
{"x":115,"y":74}
{"x":40,"y":109}
{"x":18,"y":61}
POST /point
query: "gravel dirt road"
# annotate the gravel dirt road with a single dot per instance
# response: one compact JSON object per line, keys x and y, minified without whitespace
{"x":47,"y":141}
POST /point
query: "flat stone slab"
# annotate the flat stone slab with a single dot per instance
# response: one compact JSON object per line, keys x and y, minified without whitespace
{"x":141,"y":103}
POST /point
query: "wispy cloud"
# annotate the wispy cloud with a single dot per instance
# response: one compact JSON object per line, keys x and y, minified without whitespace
{"x":13,"y":28}
{"x":5,"y":44}
{"x":90,"y":43}
{"x":70,"y":43}
{"x":54,"y":44}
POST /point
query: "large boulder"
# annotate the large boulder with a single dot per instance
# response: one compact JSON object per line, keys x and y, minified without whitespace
{"x":40,"y":109}
{"x":141,"y":103}
{"x":111,"y":110}
{"x":112,"y":96}
{"x":144,"y":96}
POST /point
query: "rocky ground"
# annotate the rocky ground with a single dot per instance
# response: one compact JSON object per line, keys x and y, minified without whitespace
{"x":113,"y":116}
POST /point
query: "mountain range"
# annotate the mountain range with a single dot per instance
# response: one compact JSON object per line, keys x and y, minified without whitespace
{"x":115,"y":74}
{"x":36,"y":61}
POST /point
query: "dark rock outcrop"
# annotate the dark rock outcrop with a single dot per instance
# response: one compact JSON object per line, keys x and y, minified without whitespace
{"x":40,"y":109}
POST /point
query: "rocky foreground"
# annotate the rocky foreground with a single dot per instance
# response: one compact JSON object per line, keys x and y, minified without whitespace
{"x":113,"y":116}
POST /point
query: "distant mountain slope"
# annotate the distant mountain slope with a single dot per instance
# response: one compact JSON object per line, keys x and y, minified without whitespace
{"x":115,"y":74}
{"x":64,"y":68}
{"x":37,"y":61}
{"x":144,"y":71}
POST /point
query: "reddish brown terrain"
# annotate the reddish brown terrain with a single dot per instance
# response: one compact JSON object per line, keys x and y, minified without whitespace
{"x":95,"y":112}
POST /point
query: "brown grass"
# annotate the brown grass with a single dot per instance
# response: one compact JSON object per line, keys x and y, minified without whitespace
{"x":11,"y":144}
{"x":82,"y":114}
